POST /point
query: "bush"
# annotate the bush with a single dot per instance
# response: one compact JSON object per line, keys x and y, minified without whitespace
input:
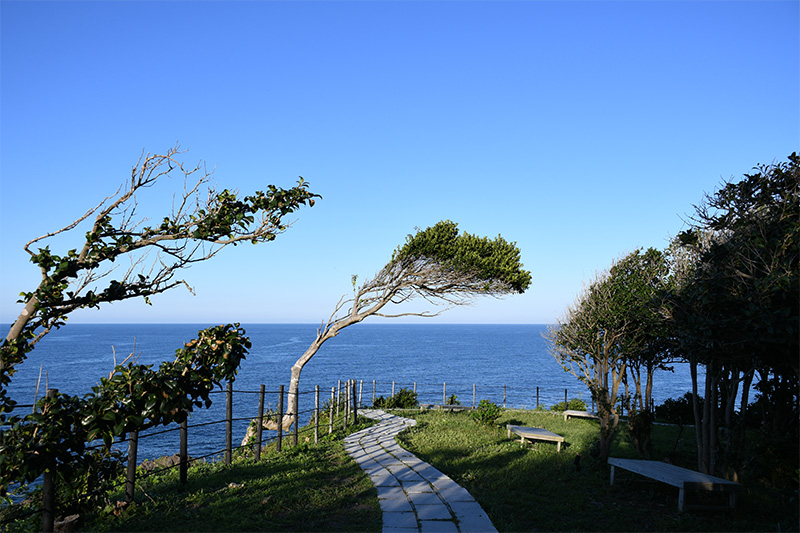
{"x":453,"y":400}
{"x":487,"y":412}
{"x":575,"y":404}
{"x":404,"y":399}
{"x":678,"y":411}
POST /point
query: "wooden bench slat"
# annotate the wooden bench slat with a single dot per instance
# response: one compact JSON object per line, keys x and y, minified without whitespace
{"x":535,"y":434}
{"x":579,"y":414}
{"x":677,"y":476}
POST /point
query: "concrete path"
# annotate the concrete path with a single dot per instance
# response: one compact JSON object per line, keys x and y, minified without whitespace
{"x":413,"y":495}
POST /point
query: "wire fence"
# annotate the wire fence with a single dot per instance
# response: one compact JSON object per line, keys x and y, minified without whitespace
{"x":346,"y":398}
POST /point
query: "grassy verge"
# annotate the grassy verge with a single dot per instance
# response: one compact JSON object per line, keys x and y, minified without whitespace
{"x":307,"y":488}
{"x":535,"y":488}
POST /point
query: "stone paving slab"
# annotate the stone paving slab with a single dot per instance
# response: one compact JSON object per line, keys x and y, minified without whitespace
{"x":413,"y":495}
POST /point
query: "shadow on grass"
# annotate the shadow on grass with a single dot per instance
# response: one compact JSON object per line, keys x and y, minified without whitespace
{"x":308,"y":488}
{"x":535,"y":488}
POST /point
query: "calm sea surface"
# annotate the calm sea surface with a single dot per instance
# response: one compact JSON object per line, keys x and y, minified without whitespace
{"x":435,"y":357}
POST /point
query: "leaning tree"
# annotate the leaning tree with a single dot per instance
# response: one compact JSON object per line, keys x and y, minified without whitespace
{"x":202,"y":222}
{"x":438,"y":264}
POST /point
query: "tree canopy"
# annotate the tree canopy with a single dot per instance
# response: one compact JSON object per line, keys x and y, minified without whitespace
{"x":202,"y":223}
{"x":736,"y":310}
{"x":616,"y":327}
{"x":438,"y":264}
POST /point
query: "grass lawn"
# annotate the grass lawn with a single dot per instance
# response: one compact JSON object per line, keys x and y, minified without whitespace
{"x":522,"y":488}
{"x":533,"y":488}
{"x":307,"y":488}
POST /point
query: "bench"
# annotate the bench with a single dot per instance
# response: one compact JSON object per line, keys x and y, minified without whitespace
{"x":579,"y":414}
{"x":683,"y":478}
{"x":535,"y":434}
{"x":451,"y":408}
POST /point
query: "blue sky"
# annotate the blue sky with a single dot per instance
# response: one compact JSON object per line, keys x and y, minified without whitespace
{"x":579,"y":130}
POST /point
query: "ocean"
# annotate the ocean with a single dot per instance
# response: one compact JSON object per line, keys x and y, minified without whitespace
{"x":496,"y":362}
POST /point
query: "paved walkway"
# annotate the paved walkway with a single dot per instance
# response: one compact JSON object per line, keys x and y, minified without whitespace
{"x":413,"y":495}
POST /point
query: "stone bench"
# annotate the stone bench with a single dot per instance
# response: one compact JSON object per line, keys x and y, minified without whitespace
{"x":579,"y":414}
{"x":683,"y":478}
{"x":451,"y":408}
{"x":535,"y":434}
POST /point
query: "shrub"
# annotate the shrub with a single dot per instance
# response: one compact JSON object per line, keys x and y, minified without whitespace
{"x":487,"y":412}
{"x":575,"y":404}
{"x":453,"y":400}
{"x":678,"y":411}
{"x":404,"y":399}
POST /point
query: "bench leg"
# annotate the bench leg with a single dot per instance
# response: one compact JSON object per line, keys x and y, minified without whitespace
{"x":612,"y":475}
{"x":732,"y":500}
{"x":558,"y":447}
{"x":681,"y":493}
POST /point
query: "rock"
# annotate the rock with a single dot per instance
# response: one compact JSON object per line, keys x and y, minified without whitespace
{"x":164,"y":462}
{"x":66,"y":525}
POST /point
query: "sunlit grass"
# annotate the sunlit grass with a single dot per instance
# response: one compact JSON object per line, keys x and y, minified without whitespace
{"x":532,"y":487}
{"x":307,"y":488}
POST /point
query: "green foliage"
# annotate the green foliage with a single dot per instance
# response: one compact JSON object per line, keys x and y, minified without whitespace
{"x":617,"y":329}
{"x":678,"y":411}
{"x":487,"y":412}
{"x":495,"y":262}
{"x":453,"y":400}
{"x":134,"y":397}
{"x":736,"y":310}
{"x":403,"y":399}
{"x":223,"y":219}
{"x":574,"y":404}
{"x":303,"y":488}
{"x":523,"y":485}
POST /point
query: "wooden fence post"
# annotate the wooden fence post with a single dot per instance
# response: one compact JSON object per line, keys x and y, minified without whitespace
{"x":49,"y":487}
{"x":296,"y":416}
{"x":280,"y":418}
{"x":346,"y":403}
{"x":316,"y":414}
{"x":229,"y":425}
{"x":473,"y":395}
{"x":355,"y":404}
{"x":537,"y":397}
{"x":373,"y":392}
{"x":330,"y":412}
{"x":130,"y":479}
{"x":184,"y":450}
{"x":392,"y":388}
{"x":360,"y":390}
{"x":504,"y":396}
{"x":566,"y":403}
{"x":260,"y":428}
{"x":338,"y":396}
{"x":444,"y":393}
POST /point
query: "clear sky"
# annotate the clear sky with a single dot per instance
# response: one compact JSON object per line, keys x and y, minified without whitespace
{"x":579,"y":130}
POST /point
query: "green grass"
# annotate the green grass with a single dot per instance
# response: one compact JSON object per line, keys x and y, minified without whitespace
{"x":534,"y":488}
{"x":522,"y":488}
{"x":307,"y":488}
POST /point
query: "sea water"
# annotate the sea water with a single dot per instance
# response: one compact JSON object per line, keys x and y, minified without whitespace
{"x":507,"y":364}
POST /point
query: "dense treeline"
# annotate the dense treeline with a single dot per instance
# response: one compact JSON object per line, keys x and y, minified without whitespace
{"x":723,"y":297}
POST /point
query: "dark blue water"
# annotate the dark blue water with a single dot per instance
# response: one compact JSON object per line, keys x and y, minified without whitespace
{"x":497,"y":361}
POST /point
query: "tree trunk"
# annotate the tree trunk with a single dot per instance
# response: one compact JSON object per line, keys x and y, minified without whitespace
{"x":696,"y":412}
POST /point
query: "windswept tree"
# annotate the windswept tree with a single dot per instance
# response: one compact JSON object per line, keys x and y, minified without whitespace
{"x":613,"y":329}
{"x":439,"y":265}
{"x":202,"y":222}
{"x":53,"y":438}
